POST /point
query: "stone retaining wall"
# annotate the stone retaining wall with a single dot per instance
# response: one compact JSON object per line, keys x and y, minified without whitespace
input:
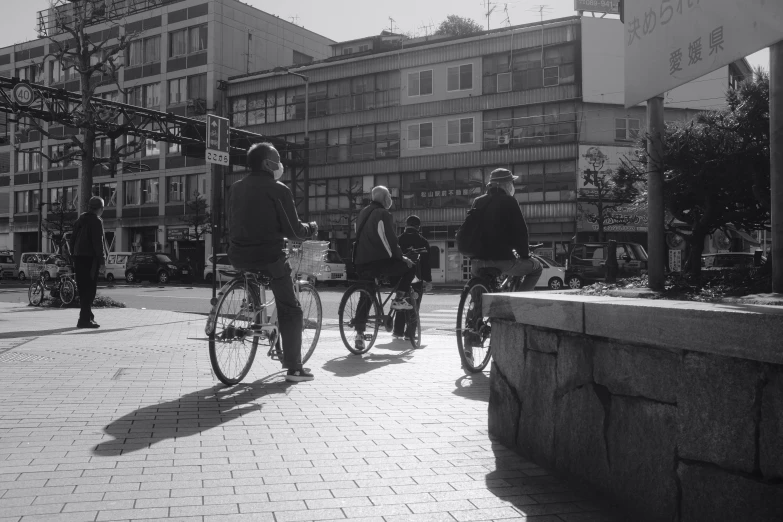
{"x":654,"y":415}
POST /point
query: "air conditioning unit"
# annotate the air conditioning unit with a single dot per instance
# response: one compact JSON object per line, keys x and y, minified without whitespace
{"x":504,"y":139}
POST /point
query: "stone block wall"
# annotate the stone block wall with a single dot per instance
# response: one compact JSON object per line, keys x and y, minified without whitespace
{"x":669,"y":433}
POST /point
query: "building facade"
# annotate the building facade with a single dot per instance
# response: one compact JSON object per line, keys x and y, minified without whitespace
{"x":183,"y":48}
{"x":431,"y":118}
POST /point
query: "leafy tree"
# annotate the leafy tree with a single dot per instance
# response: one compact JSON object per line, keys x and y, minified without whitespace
{"x":606,"y":192}
{"x":93,"y":63}
{"x":455,"y":25}
{"x":716,"y":169}
{"x":197,"y":216}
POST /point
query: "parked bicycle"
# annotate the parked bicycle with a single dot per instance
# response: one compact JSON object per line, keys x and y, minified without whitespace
{"x":242,"y":315}
{"x":473,"y":327}
{"x":62,"y":287}
{"x":366,"y":295}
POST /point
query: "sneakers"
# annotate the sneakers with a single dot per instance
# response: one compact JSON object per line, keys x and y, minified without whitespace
{"x":299,"y":375}
{"x":358,"y":341}
{"x":401,"y":304}
{"x":91,"y":324}
{"x":399,"y":337}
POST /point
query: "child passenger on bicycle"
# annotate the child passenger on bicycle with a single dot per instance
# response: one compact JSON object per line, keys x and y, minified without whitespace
{"x":261,"y":214}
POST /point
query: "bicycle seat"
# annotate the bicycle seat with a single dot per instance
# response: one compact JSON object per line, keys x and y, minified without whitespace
{"x":489,"y":272}
{"x":261,"y":276}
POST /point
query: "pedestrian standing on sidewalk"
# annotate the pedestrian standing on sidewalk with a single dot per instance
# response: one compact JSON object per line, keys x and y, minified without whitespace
{"x":412,"y":238}
{"x":88,"y":258}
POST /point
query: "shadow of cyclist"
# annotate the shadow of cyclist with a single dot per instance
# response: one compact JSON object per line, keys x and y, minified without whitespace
{"x":352,"y":365}
{"x":194,"y":413}
{"x":473,"y":386}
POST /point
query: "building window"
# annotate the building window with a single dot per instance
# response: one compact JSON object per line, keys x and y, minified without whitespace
{"x":147,"y":96}
{"x":460,"y":78}
{"x":197,"y":38}
{"x":504,"y":82}
{"x":178,"y":91}
{"x":460,"y":131}
{"x":60,"y":156}
{"x":195,"y":186}
{"x":27,"y":201}
{"x":337,"y":194}
{"x":363,"y":143}
{"x":59,"y":74}
{"x":132,"y":191}
{"x":143,"y":51}
{"x":551,"y":76}
{"x":387,"y":140}
{"x":28,"y":72}
{"x":626,"y":129}
{"x":525,"y":69}
{"x":27,"y":161}
{"x":197,"y":87}
{"x":175,"y":148}
{"x":107,"y":191}
{"x":175,"y":188}
{"x":420,"y":136}
{"x":149,"y":190}
{"x":530,"y":125}
{"x":67,"y":197}
{"x":178,"y":43}
{"x":420,"y":83}
{"x":550,"y":181}
{"x":348,"y":50}
{"x":363,"y":48}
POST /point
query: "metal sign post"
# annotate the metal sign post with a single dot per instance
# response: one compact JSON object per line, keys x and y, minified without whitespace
{"x":217,"y":155}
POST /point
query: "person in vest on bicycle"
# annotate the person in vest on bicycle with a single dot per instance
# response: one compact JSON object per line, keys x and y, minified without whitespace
{"x":261,"y":214}
{"x":412,"y":238}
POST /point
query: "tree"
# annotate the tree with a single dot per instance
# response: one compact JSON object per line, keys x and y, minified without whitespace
{"x":59,"y":221}
{"x":94,"y":63}
{"x":716,"y":169}
{"x":198,"y":217}
{"x":455,"y":25}
{"x":607,"y":191}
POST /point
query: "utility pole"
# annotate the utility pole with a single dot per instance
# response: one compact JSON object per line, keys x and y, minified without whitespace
{"x":489,"y":7}
{"x":391,"y":24}
{"x":776,"y":161}
{"x":656,"y":239}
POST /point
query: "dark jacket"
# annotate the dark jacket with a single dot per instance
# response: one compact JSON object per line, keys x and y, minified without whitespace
{"x":503,"y":227}
{"x":412,"y":239}
{"x":378,"y":240}
{"x":87,"y":237}
{"x":261,"y":214}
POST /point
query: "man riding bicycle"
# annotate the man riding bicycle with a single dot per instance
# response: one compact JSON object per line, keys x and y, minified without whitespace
{"x":504,"y":232}
{"x":378,"y":253}
{"x":261,"y":214}
{"x":411,"y":238}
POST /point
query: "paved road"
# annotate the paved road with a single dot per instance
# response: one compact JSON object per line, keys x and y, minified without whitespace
{"x":128,"y":423}
{"x":438,"y":313}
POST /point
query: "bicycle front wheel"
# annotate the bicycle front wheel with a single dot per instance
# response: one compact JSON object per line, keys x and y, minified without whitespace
{"x":35,"y":293}
{"x":232,"y":345}
{"x":358,"y":306}
{"x":312,"y":319}
{"x":473,"y":329}
{"x":67,"y":291}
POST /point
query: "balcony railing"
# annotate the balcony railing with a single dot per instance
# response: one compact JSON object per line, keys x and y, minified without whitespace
{"x":52,"y":21}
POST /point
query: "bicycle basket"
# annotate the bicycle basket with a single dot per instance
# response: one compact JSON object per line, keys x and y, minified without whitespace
{"x":36,"y":270}
{"x":307,"y":258}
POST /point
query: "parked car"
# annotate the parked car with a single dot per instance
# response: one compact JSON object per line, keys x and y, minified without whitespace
{"x":587,"y":262}
{"x":333,"y":269}
{"x":222,"y":264}
{"x":30,"y":265}
{"x":8,"y":268}
{"x":154,"y":266}
{"x":731,"y":261}
{"x":553,"y":274}
{"x":115,"y":265}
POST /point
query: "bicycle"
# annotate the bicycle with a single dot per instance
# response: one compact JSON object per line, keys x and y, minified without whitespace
{"x":241,"y":315}
{"x":63,"y":286}
{"x":367,"y":294}
{"x":473,"y":328}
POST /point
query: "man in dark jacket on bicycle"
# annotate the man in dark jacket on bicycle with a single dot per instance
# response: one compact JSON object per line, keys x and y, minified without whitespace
{"x":378,"y":253}
{"x":412,"y":239}
{"x":504,"y":232}
{"x":261,"y":214}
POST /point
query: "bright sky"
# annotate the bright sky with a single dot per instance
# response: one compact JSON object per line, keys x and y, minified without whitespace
{"x":349,"y":19}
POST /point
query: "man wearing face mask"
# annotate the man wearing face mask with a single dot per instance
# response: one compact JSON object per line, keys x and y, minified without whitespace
{"x":261,"y":215}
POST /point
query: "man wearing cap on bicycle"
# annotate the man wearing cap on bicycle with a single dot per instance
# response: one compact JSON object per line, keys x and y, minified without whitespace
{"x":378,"y":253}
{"x":261,"y":214}
{"x":412,"y":239}
{"x":504,"y":232}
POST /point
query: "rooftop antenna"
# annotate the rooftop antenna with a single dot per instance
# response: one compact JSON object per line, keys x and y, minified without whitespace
{"x":489,"y":6}
{"x":541,"y":8}
{"x":427,"y":28}
{"x":508,"y":17}
{"x":391,"y":24}
{"x":294,"y":19}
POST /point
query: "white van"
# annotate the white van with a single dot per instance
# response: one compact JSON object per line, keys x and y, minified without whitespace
{"x":31,"y":264}
{"x":115,"y":265}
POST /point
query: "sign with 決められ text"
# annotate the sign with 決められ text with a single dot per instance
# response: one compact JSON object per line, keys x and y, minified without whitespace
{"x":672,"y":42}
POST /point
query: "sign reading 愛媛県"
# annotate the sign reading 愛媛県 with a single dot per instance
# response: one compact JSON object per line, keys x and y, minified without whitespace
{"x":217,"y":140}
{"x":597,"y":6}
{"x":671,"y":42}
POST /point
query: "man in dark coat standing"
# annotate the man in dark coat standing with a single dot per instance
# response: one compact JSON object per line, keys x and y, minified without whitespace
{"x":88,"y":258}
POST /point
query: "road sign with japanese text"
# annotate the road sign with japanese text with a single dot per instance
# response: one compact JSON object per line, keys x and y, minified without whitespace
{"x":671,"y":42}
{"x":217,"y":140}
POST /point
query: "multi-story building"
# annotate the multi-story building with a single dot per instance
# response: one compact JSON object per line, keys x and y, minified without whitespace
{"x":183,"y":48}
{"x":430,"y":118}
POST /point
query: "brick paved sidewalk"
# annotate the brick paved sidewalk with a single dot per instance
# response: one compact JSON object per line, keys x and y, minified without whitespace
{"x":127,"y":423}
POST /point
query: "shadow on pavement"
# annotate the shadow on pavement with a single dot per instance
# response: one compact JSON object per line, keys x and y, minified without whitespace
{"x":35,"y":333}
{"x":352,"y":365}
{"x":188,"y":415}
{"x":474,"y":386}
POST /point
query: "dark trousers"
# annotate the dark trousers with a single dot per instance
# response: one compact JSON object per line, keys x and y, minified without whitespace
{"x":396,"y":269}
{"x":86,"y":268}
{"x":289,"y":311}
{"x":401,"y":327}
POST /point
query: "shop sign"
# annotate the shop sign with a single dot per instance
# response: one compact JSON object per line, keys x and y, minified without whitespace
{"x":621,"y":219}
{"x":177,"y":234}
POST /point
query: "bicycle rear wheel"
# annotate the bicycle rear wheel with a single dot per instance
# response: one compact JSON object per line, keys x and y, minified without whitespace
{"x":354,"y":297}
{"x":67,"y":291}
{"x":473,"y":329}
{"x":232,"y":345}
{"x":413,"y":323}
{"x":312,"y":318}
{"x":35,"y":293}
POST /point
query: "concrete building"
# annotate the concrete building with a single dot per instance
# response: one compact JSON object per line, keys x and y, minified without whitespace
{"x":183,"y":49}
{"x":431,"y":117}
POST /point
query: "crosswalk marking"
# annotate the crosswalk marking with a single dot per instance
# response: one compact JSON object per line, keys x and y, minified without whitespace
{"x":433,"y":321}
